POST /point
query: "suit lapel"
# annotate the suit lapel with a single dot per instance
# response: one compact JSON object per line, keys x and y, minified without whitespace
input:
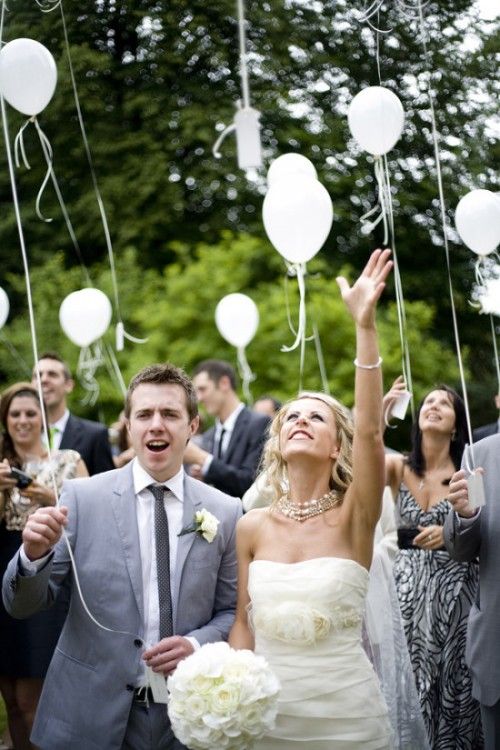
{"x":70,"y":435}
{"x":191,"y":504}
{"x":123,"y":503}
{"x":238,"y":430}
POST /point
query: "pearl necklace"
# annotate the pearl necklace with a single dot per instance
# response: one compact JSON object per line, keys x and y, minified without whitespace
{"x":309,"y":508}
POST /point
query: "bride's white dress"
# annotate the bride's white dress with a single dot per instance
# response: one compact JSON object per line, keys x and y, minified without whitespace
{"x":307,"y":620}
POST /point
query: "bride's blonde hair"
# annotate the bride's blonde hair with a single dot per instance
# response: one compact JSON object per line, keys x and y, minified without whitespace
{"x":275,"y":466}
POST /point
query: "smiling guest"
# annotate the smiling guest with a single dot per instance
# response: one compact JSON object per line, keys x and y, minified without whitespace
{"x":66,"y":430}
{"x":435,"y":592}
{"x":26,"y":646}
{"x":158,"y":583}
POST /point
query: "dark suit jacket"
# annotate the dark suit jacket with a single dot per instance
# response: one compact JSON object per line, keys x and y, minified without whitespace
{"x":236,"y":470}
{"x":486,"y":431}
{"x":90,"y":439}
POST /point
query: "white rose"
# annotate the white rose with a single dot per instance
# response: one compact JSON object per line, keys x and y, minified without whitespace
{"x":225,"y":698}
{"x":207,"y":524}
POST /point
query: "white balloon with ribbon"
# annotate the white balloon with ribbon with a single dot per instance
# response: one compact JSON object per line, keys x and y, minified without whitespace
{"x":28,"y":77}
{"x":4,"y":307}
{"x":237,"y":320}
{"x":376,"y":120}
{"x":85,"y":316}
{"x":477,"y":218}
{"x":297,"y":214}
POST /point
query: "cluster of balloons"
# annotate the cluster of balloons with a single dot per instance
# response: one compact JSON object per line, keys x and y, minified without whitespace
{"x":28,"y":75}
{"x":297,"y":210}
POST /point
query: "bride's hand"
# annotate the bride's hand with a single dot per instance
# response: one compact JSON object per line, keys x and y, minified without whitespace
{"x":361,"y":298}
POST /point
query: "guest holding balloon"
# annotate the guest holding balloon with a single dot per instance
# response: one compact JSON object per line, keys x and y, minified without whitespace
{"x":435,"y":592}
{"x":29,"y":478}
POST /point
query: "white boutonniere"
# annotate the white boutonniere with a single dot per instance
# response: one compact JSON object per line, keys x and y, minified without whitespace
{"x":204,"y":523}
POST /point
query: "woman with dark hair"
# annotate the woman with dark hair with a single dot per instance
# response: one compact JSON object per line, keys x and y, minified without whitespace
{"x":26,"y":646}
{"x":435,"y":593}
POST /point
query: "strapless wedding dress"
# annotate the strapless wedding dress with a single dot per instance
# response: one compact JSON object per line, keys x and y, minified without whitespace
{"x":307,"y":620}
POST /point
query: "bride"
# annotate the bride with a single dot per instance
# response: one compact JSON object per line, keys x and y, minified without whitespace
{"x":303,"y":562}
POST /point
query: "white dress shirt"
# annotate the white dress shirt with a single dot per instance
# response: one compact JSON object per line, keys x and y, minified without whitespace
{"x":228,"y":427}
{"x":173,"y":502}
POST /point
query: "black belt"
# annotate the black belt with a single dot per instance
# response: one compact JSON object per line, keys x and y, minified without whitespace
{"x":143,"y":696}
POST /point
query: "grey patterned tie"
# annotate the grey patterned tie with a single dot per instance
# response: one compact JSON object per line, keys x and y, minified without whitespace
{"x":162,"y":561}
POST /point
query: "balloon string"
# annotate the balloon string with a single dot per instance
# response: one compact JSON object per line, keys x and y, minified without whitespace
{"x":287,"y":304}
{"x":367,"y":223}
{"x":245,"y":88}
{"x":48,"y":154}
{"x":321,"y":360}
{"x":115,"y":369}
{"x":400,"y":302}
{"x":19,"y":146}
{"x":495,"y":351}
{"x":34,"y":344}
{"x":437,"y":157}
{"x":24,"y":367}
{"x":246,"y":373}
{"x":88,"y":361}
{"x":300,"y":338}
{"x":24,"y":255}
{"x":97,"y":192}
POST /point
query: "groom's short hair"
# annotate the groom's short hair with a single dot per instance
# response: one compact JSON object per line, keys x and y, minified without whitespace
{"x":164,"y":374}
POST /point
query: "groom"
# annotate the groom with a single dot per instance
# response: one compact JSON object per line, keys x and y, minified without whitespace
{"x":157,"y":584}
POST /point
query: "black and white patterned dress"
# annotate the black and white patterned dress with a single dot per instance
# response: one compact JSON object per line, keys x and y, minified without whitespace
{"x":435,"y":594}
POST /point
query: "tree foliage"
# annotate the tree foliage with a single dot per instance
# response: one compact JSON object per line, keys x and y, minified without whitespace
{"x":157,"y":82}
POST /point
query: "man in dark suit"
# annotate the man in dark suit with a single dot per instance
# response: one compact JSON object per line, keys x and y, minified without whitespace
{"x":230,"y":451}
{"x":488,"y":429}
{"x":90,"y":439}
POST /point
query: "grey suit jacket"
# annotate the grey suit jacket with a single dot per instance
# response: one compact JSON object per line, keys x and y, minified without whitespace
{"x":87,"y":693}
{"x":482,"y":538}
{"x":237,"y":469}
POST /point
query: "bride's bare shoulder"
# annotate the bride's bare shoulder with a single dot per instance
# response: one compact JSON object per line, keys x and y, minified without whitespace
{"x":253,"y":519}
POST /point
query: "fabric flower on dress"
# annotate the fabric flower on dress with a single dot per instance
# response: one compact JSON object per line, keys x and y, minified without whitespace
{"x":222,"y":698}
{"x":299,"y":623}
{"x":205,"y":523}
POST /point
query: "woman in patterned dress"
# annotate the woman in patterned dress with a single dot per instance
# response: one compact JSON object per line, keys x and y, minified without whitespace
{"x":26,"y":646}
{"x":435,"y":593}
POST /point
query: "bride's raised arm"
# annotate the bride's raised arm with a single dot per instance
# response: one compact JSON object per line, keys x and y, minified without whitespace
{"x":363,"y":498}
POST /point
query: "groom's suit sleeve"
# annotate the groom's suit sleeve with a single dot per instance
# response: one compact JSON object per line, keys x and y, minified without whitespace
{"x":217,"y":629}
{"x":24,"y":595}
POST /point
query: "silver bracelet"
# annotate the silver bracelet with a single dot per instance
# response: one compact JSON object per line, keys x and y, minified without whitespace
{"x":368,"y":367}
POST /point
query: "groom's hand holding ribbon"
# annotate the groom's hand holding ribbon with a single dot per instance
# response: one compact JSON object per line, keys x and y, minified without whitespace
{"x":43,"y":530}
{"x":167,"y":653}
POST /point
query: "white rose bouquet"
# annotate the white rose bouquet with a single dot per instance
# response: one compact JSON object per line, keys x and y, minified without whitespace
{"x":222,"y":698}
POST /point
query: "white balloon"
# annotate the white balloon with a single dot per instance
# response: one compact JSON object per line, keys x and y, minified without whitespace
{"x":477,"y":219}
{"x":376,"y":118}
{"x":4,"y":307}
{"x":85,"y":316}
{"x":237,"y":319}
{"x":297,"y":216}
{"x":289,"y":165}
{"x":28,"y":75}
